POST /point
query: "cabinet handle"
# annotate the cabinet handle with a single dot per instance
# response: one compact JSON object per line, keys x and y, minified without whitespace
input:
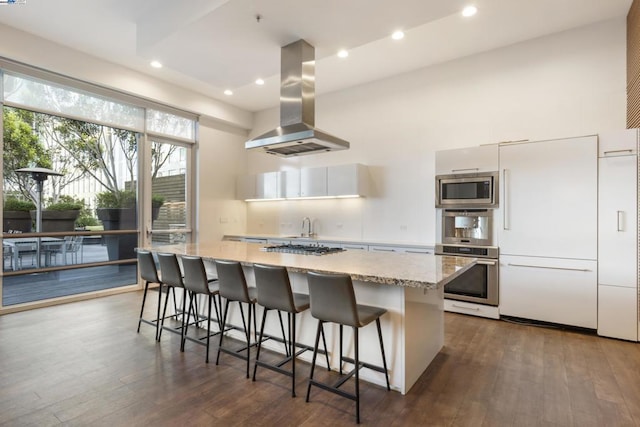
{"x":549,"y":268}
{"x":606,"y":153}
{"x":505,"y":202}
{"x":417,"y":252}
{"x":465,"y":308}
{"x":384,"y":250}
{"x":465,"y":169}
{"x":620,"y":218}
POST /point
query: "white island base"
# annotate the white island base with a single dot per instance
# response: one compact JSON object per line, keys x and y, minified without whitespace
{"x":412,"y":330}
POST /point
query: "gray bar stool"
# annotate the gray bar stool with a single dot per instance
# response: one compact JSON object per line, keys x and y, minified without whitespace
{"x":233,"y":287}
{"x":274,"y":293}
{"x":333,"y":300}
{"x":196,"y":282}
{"x":149,"y":274}
{"x":172,"y":277}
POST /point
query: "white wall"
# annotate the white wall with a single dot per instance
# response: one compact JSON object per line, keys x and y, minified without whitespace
{"x":568,"y":84}
{"x":221,"y":157}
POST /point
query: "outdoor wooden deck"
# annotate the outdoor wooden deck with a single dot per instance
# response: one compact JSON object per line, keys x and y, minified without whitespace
{"x":41,"y":286}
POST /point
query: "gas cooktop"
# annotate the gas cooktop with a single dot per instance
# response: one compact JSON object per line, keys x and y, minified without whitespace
{"x":302,"y":249}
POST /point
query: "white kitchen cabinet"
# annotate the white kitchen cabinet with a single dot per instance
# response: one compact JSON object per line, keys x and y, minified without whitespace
{"x":313,"y":182}
{"x":272,"y":241}
{"x":416,"y":250}
{"x":291,"y":183}
{"x":381,"y":248}
{"x":549,"y":198}
{"x":354,"y":246}
{"x":483,"y":158}
{"x":618,"y":143}
{"x":618,"y":312}
{"x":618,"y":235}
{"x":549,"y":289}
{"x":401,"y":249}
{"x":254,"y":240}
{"x":269,"y":185}
{"x":348,"y":180}
{"x":260,"y":186}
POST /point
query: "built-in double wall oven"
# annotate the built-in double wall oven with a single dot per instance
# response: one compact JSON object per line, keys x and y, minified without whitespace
{"x":467,"y":203}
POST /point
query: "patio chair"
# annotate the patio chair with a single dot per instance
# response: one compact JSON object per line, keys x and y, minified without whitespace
{"x":74,"y":246}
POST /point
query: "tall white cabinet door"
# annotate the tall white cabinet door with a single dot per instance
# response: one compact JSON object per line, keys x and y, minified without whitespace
{"x":617,"y":221}
{"x":549,"y":198}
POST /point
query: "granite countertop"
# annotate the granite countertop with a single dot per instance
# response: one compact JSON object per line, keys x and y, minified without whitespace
{"x":399,"y":269}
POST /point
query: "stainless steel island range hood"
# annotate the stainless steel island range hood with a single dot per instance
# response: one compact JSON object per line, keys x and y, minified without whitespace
{"x":296,"y":134}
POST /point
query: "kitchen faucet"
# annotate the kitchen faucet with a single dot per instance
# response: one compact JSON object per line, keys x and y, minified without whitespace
{"x":309,"y":232}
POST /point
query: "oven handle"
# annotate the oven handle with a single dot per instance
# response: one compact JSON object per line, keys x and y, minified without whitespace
{"x":483,"y":262}
{"x":549,"y":268}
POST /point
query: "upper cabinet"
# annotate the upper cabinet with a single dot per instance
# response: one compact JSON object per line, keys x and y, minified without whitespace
{"x":618,"y":143}
{"x":262,"y":186}
{"x":347,"y":180}
{"x":483,"y":158}
{"x":313,"y":182}
{"x":333,"y":181}
{"x":291,"y":183}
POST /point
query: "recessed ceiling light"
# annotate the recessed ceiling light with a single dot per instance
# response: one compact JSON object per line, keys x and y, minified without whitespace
{"x":469,"y":11}
{"x":343,"y":53}
{"x":259,"y":82}
{"x":397,"y":35}
{"x":156,"y":64}
{"x":228,"y":92}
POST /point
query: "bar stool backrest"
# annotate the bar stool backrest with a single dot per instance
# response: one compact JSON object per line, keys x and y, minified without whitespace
{"x":195,"y":275}
{"x":274,"y":288}
{"x":170,"y":270}
{"x":332,"y":298}
{"x":147,"y":266}
{"x":233,"y":285}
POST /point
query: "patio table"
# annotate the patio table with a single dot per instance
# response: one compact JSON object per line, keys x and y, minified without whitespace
{"x":29,"y":244}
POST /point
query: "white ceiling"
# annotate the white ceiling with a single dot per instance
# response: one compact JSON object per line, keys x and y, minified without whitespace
{"x":213,"y":45}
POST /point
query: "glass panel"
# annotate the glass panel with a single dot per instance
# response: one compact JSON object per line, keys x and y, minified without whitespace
{"x":96,"y":192}
{"x":170,"y":125}
{"x":169,"y":192}
{"x":30,"y":92}
{"x":37,"y":287}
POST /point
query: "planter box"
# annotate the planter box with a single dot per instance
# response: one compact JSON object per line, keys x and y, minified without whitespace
{"x":123,"y":246}
{"x":13,"y":221}
{"x":58,"y":220}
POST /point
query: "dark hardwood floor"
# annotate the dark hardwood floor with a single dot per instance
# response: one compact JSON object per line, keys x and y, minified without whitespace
{"x":83,"y":364}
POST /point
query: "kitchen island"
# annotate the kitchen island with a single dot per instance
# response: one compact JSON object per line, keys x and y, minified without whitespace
{"x":409,"y":286}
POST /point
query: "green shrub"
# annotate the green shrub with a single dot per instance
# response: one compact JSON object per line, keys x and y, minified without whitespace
{"x":65,"y":203}
{"x":65,"y":206}
{"x":86,"y":221}
{"x":14,"y":204}
{"x":157,"y":200}
{"x":116,"y":199}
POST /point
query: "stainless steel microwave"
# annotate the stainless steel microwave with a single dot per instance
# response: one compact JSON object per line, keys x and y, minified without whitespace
{"x":477,"y":190}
